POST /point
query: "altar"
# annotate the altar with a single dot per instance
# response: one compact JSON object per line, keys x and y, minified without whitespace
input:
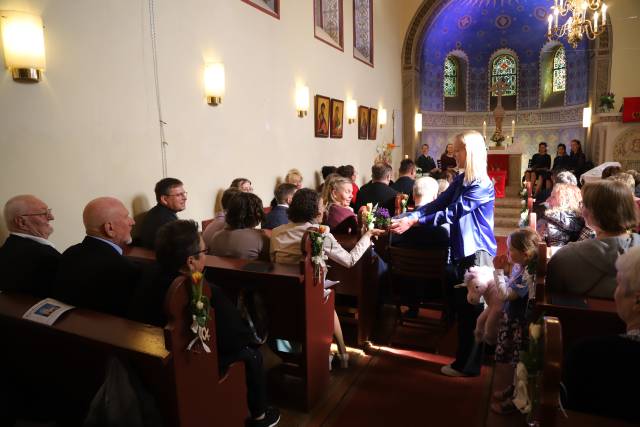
{"x":506,"y":166}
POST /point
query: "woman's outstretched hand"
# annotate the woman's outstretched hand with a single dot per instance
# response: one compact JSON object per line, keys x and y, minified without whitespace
{"x":399,"y":226}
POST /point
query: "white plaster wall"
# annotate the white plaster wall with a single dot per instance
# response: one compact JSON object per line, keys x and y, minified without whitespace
{"x":625,"y":17}
{"x":90,"y":128}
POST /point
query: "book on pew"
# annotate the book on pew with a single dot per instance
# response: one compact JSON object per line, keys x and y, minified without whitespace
{"x":46,"y":311}
{"x":569,"y":301}
{"x":258,"y":267}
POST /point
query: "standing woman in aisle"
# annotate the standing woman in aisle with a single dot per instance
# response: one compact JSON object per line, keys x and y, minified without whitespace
{"x":467,"y":206}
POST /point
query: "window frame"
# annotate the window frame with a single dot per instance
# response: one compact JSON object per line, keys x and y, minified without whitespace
{"x":275,"y":13}
{"x":333,"y":43}
{"x":371,"y":50}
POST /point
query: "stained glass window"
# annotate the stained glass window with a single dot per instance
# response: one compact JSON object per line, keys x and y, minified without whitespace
{"x":559,"y":70}
{"x":328,"y":21}
{"x":504,"y":68}
{"x":450,"y":77}
{"x":362,"y":20}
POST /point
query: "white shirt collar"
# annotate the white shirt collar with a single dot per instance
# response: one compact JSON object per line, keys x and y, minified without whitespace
{"x":34,"y":238}
{"x":283,"y":204}
{"x":109,"y":242}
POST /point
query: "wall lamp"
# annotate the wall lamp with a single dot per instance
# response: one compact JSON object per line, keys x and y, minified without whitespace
{"x":214,"y":83}
{"x":417,"y":123}
{"x":23,"y":42}
{"x":302,"y":100}
{"x":586,"y":117}
{"x":382,"y":117}
{"x":352,"y":110}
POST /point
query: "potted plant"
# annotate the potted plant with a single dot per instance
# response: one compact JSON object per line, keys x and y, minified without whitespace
{"x":606,"y":102}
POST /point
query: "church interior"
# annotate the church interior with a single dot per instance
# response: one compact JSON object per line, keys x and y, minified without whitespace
{"x":120,"y":94}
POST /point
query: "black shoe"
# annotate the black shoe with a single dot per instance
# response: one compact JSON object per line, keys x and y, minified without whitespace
{"x":271,"y":418}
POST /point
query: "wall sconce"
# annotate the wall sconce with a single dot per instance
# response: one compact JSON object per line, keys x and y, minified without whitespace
{"x":418,"y":122}
{"x":586,"y":117}
{"x":214,"y":83}
{"x":382,"y":117}
{"x":23,"y":41}
{"x":352,"y":110}
{"x":302,"y":100}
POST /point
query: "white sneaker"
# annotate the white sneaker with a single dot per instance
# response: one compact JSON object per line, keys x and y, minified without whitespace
{"x":450,"y":372}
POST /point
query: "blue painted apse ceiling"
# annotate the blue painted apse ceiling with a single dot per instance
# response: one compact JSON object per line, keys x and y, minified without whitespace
{"x":481,"y":27}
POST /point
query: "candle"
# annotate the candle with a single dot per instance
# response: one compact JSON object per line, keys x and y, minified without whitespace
{"x":513,"y":128}
{"x":604,"y":14}
{"x":406,"y":156}
{"x":561,"y":4}
{"x":550,"y":21}
{"x":595,"y":21}
{"x":584,"y":9}
{"x":555,"y":13}
{"x":484,"y":129}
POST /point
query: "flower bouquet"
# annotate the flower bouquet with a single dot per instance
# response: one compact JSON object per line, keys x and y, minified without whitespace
{"x":527,"y":392}
{"x":497,"y":137}
{"x":606,"y":102}
{"x":318,"y":256}
{"x":199,"y":307}
{"x":401,"y":202}
{"x":367,"y":216}
{"x":382,"y":219}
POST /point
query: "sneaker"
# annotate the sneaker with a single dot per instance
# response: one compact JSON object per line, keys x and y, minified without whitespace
{"x":271,"y":418}
{"x":450,"y":372}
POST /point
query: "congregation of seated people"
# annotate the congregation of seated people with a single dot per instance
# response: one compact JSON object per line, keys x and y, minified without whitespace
{"x":592,"y":225}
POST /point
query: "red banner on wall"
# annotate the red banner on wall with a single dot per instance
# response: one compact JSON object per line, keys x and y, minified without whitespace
{"x":631,"y":109}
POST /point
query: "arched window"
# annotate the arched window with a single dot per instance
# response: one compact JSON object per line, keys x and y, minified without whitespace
{"x":504,"y":68}
{"x":450,"y":83}
{"x":559,"y":70}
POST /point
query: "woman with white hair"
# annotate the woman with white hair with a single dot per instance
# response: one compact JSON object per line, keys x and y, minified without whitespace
{"x":467,"y":207}
{"x":600,"y":372}
{"x":425,"y":190}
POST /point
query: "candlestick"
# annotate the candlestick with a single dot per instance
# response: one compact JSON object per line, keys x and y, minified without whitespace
{"x":484,"y":129}
{"x":513,"y":128}
{"x":550,"y":19}
{"x":555,"y":14}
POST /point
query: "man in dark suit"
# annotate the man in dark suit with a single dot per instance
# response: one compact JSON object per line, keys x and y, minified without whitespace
{"x":93,"y":274}
{"x":278,"y":214}
{"x":171,"y":198}
{"x":425,"y":162}
{"x":28,"y":260}
{"x":404,"y":184}
{"x":378,"y":191}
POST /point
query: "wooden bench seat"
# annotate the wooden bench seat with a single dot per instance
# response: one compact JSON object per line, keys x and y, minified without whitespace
{"x":67,"y":362}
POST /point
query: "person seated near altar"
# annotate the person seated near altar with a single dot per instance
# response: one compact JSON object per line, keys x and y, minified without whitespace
{"x":577,"y":159}
{"x":561,"y":161}
{"x":404,"y":183}
{"x":447,"y":160}
{"x":598,"y":372}
{"x":587,"y":268}
{"x":181,"y":251}
{"x":348,"y":171}
{"x":424,"y":161}
{"x":378,"y":192}
{"x":339,"y":215}
{"x":562,"y":221}
{"x":564,"y":177}
{"x":240,"y":238}
{"x":278,"y":214}
{"x":540,"y":163}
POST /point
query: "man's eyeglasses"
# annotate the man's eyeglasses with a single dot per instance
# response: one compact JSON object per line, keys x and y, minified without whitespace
{"x":46,"y":213}
{"x":181,"y":195}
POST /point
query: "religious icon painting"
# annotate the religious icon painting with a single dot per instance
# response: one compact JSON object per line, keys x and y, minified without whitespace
{"x":337,"y":113}
{"x":373,"y":123}
{"x":363,"y":122}
{"x":321,"y":116}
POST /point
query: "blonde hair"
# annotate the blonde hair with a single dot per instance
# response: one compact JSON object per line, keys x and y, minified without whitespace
{"x":291,"y":175}
{"x":525,"y":240}
{"x":565,"y":196}
{"x":475,"y":166}
{"x":332,"y":182}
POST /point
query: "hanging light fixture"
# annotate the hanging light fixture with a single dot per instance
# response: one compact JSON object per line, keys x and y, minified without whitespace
{"x":585,"y":18}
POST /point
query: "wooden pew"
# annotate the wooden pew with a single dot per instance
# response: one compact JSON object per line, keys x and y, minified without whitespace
{"x":580,"y":316}
{"x":359,"y":282}
{"x":69,"y":360}
{"x":295,"y":307}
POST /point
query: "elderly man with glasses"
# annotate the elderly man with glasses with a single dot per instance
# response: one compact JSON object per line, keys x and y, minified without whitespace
{"x":171,"y":199}
{"x":28,"y":260}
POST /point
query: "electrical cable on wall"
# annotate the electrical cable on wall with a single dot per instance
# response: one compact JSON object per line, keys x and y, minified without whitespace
{"x":163,"y":142}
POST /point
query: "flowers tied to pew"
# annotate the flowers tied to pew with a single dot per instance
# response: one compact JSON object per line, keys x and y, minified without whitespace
{"x":524,"y":212}
{"x":375,"y":217}
{"x":318,"y":257}
{"x":526,"y":396}
{"x":200,"y":316}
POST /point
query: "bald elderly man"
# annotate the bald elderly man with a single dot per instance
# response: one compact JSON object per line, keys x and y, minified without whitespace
{"x":94,"y":274}
{"x":28,"y":260}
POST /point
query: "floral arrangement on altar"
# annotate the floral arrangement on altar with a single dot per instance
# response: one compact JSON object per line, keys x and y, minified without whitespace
{"x":375,"y":217}
{"x":199,"y":313}
{"x":606,"y":101}
{"x":384,"y":153}
{"x":318,"y":257}
{"x":497,"y":137}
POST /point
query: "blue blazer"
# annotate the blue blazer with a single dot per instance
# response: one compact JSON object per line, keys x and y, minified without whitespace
{"x":275,"y":218}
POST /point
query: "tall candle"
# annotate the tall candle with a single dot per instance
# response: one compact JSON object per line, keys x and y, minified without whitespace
{"x":550,"y":19}
{"x":484,"y":129}
{"x":604,"y":14}
{"x":555,"y":14}
{"x":595,"y":21}
{"x":513,"y":128}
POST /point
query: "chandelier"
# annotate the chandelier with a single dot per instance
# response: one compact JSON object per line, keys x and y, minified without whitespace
{"x":587,"y":18}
